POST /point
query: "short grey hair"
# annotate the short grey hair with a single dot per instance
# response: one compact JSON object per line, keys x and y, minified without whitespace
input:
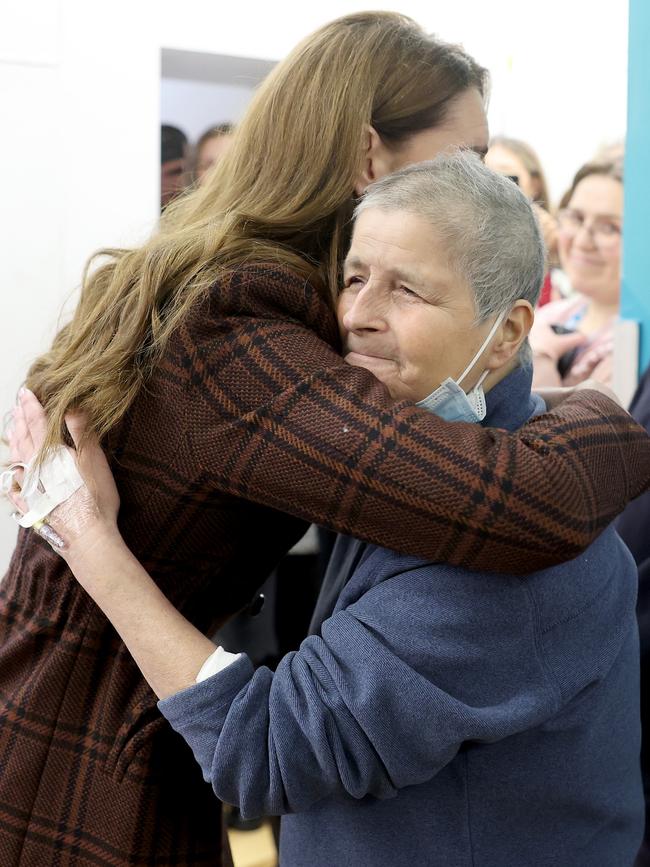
{"x":485,"y":222}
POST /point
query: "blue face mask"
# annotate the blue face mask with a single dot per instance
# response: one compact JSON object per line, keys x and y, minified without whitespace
{"x":450,"y":402}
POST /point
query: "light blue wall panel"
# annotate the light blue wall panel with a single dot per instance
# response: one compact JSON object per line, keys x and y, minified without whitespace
{"x":635,"y":302}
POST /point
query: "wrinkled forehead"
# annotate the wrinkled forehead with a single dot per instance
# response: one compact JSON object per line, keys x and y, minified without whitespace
{"x":395,"y":233}
{"x":393,"y":237}
{"x":403,"y":246}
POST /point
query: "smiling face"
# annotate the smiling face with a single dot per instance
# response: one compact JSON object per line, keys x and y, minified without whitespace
{"x":403,"y":313}
{"x":589,"y":244}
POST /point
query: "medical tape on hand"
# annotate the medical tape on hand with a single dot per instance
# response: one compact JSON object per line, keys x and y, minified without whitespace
{"x":47,"y":486}
{"x":8,"y":484}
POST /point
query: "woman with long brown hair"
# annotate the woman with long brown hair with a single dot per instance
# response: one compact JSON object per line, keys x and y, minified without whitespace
{"x":207,"y":361}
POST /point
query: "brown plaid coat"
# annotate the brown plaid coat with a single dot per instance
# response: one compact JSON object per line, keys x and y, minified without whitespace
{"x":250,"y":416}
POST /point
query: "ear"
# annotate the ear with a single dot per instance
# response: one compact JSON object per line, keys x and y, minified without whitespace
{"x":375,"y":160}
{"x":512,"y":333}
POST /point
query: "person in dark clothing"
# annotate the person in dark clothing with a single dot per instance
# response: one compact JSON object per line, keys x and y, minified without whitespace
{"x":173,"y":163}
{"x":634,"y":527}
{"x":634,"y":523}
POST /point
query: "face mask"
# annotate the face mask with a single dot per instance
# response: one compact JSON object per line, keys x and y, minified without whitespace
{"x":450,"y":402}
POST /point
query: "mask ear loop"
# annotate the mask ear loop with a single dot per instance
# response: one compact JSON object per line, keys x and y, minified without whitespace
{"x":481,"y":380}
{"x":480,"y":352}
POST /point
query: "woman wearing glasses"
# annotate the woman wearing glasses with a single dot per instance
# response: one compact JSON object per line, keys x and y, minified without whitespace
{"x":572,"y":339}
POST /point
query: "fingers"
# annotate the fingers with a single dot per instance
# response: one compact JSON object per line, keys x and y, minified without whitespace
{"x":571,"y":341}
{"x":595,"y":385}
{"x":18,"y":502}
{"x":604,"y":370}
{"x":35,"y":417}
{"x":76,"y":424}
{"x":553,"y":396}
{"x":21,"y":445}
{"x":545,"y":341}
{"x":559,"y":312}
{"x":573,"y":305}
{"x":11,"y":436}
{"x":91,"y":459}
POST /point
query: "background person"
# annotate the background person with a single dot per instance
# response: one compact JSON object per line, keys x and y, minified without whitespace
{"x":590,"y":254}
{"x":173,"y":163}
{"x":518,"y":160}
{"x":210,"y":147}
{"x":207,"y":360}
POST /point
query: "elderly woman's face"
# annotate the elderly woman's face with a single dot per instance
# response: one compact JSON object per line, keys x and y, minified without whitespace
{"x":404,"y":314}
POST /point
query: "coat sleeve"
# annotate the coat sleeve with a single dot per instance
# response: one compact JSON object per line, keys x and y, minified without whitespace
{"x":384,"y":699}
{"x":279,"y":419}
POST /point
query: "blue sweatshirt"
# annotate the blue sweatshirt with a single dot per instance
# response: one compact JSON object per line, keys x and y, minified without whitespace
{"x":442,"y":717}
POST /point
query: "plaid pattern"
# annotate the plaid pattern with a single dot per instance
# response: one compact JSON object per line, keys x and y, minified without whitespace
{"x":251,"y":414}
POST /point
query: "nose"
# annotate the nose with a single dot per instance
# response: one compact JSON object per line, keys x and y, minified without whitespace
{"x":363,"y":310}
{"x":584,"y":237}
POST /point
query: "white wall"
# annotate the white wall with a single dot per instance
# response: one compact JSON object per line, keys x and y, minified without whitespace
{"x":559,"y":67}
{"x":80,"y":108}
{"x":560,"y":82}
{"x":193,"y":106}
{"x":77,"y":150}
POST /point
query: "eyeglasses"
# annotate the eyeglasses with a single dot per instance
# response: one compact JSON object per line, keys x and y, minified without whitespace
{"x":604,"y":231}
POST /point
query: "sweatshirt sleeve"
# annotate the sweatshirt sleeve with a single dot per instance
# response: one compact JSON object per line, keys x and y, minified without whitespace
{"x":384,"y":699}
{"x":279,"y":419}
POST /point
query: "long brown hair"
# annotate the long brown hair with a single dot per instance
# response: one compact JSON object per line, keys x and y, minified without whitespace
{"x":282,"y":194}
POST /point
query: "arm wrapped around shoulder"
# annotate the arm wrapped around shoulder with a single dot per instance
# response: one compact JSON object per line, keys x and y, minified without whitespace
{"x":270,"y":413}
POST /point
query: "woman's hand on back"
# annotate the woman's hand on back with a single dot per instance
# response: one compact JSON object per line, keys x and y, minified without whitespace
{"x":99,"y":559}
{"x":92,"y":510}
{"x":553,"y":397}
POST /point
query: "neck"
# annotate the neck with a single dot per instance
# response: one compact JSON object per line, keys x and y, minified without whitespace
{"x":500,"y":373}
{"x":597,"y":316}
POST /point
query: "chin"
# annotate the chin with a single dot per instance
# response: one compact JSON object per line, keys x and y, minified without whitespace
{"x":376,"y":369}
{"x":599,"y":294}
